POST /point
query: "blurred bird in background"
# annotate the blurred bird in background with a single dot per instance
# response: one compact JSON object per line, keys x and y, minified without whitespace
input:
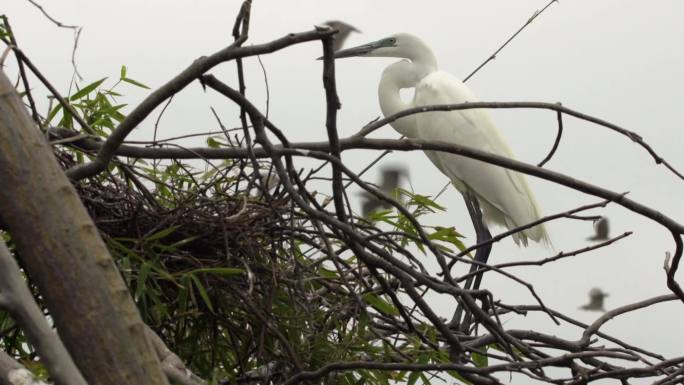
{"x":596,"y":296}
{"x":390,"y":180}
{"x":602,"y":228}
{"x":344,"y":30}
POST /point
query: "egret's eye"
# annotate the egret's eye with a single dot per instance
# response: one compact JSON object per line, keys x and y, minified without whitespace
{"x":390,"y":42}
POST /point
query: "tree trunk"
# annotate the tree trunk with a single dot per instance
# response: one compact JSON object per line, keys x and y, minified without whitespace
{"x":62,"y":251}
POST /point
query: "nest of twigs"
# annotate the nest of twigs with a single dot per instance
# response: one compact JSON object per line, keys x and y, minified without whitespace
{"x":215,"y":258}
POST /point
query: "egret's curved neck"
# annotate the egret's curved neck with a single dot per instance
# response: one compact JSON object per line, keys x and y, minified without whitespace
{"x":403,"y":74}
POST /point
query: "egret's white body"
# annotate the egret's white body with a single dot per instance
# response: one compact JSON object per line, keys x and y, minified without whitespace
{"x":503,"y":195}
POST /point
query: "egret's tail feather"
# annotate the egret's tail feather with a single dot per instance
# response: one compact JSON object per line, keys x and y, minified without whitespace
{"x":493,"y":216}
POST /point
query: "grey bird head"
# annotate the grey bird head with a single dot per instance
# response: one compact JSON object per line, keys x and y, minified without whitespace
{"x":602,"y":228}
{"x":370,"y":204}
{"x":344,"y":30}
{"x":596,"y":296}
{"x":390,"y":180}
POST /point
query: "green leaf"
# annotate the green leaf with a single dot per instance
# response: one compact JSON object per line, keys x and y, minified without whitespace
{"x":480,"y":360}
{"x":459,"y":377}
{"x":328,"y":273}
{"x":381,"y":215}
{"x":183,"y":241}
{"x":382,"y":377}
{"x":213,"y":143}
{"x":67,"y":120}
{"x":86,"y":90}
{"x":380,"y":304}
{"x":135,"y":83}
{"x":142,"y":277}
{"x":423,"y":378}
{"x":162,"y":233}
{"x":123,"y":72}
{"x":111,"y":110}
{"x":52,"y":113}
{"x":111,"y":93}
{"x":448,"y":234}
{"x":202,"y":292}
{"x":424,"y":201}
{"x":223,"y":271}
{"x":413,"y":377}
{"x":183,"y":293}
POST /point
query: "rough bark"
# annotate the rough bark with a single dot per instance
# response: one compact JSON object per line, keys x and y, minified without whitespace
{"x":62,"y":252}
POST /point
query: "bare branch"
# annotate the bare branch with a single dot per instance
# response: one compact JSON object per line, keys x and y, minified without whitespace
{"x":559,"y":117}
{"x":509,"y":105}
{"x":510,"y":39}
{"x":196,"y":69}
{"x":332,"y":105}
{"x":77,"y":34}
{"x":22,"y":71}
{"x":594,"y":327}
{"x":303,"y":149}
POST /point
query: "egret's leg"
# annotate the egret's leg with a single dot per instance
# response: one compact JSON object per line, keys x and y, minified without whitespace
{"x":481,"y":255}
{"x":482,"y":234}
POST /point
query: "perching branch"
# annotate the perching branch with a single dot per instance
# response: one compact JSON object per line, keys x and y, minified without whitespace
{"x":510,"y":105}
{"x":304,"y":148}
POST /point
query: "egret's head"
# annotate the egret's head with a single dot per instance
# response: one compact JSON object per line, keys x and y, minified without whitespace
{"x":401,"y":45}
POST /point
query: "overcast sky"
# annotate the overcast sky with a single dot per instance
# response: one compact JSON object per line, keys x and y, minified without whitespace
{"x":619,"y":60}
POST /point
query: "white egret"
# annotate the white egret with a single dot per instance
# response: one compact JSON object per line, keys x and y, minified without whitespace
{"x":503,"y":195}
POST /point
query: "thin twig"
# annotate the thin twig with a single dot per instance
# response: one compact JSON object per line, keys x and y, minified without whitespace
{"x":510,"y":39}
{"x":22,"y":72}
{"x":77,"y":34}
{"x":332,"y":105}
{"x":559,"y":117}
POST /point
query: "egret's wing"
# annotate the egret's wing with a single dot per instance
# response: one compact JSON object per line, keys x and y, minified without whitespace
{"x":505,"y":190}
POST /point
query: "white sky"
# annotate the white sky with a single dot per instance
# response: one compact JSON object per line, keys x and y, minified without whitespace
{"x":620,"y":60}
